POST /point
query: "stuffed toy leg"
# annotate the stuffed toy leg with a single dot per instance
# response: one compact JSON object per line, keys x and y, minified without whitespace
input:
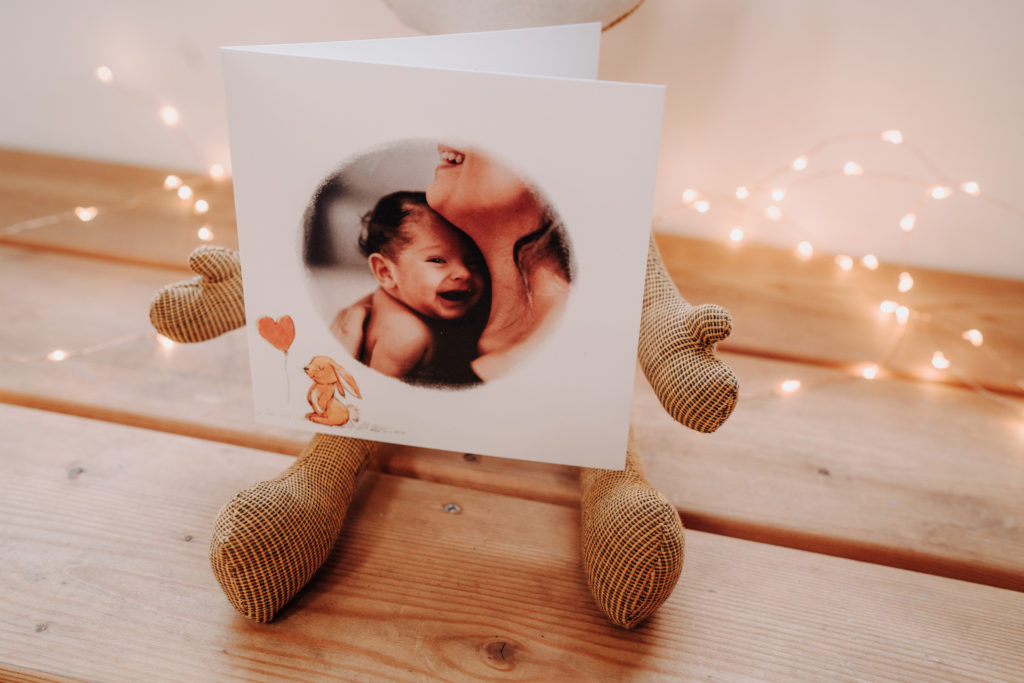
{"x":271,"y":538}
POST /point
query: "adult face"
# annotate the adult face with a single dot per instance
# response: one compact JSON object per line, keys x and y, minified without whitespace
{"x":470,"y":189}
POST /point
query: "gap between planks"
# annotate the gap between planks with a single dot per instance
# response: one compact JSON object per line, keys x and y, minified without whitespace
{"x":555,"y":484}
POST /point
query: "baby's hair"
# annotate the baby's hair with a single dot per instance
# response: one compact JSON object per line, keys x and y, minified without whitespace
{"x":382,"y":227}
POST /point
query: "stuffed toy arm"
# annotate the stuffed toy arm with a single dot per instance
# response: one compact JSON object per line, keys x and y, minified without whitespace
{"x":632,"y":537}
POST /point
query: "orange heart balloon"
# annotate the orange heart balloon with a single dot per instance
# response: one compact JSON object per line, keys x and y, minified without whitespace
{"x":279,"y":333}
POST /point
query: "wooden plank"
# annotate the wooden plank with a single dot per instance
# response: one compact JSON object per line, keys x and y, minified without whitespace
{"x":900,"y":488}
{"x":920,"y":476}
{"x":812,"y":311}
{"x":138,"y":219}
{"x":105,"y":577}
{"x":783,"y":307}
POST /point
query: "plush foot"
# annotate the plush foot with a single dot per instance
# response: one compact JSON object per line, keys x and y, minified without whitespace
{"x":676,"y":352}
{"x":270,"y":539}
{"x":632,"y":543}
{"x":206,"y":306}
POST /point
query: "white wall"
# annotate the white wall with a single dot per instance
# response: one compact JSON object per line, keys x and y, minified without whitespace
{"x":752,"y":84}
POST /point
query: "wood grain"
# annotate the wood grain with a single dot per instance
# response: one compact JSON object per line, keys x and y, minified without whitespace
{"x":921,"y":476}
{"x":812,"y":312}
{"x":105,"y":577}
{"x":138,"y":221}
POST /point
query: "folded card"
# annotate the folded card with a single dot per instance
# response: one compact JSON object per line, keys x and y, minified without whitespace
{"x":444,"y":239}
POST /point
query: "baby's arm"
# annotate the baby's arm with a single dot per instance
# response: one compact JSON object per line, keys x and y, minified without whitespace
{"x":403,"y":344}
{"x":349,"y":323}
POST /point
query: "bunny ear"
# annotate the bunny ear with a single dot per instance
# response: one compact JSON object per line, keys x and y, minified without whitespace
{"x":349,"y":379}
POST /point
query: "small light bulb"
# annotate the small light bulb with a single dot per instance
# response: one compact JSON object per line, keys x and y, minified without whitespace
{"x":104,"y":74}
{"x":974,"y":336}
{"x":893,"y":136}
{"x":773,"y":213}
{"x":742,"y":192}
{"x":907,"y":222}
{"x":165,"y":342}
{"x":172,"y":182}
{"x":906,"y":282}
{"x":86,"y":213}
{"x":844,"y":262}
{"x":201,"y":206}
{"x":689,"y":196}
{"x":804,"y":250}
{"x":902,"y":315}
{"x":778,"y":194}
{"x":971,"y":188}
{"x":57,"y":355}
{"x":888,"y":306}
{"x":940,"y":361}
{"x":853,"y":168}
{"x":940,"y":192}
{"x":170,"y":116}
{"x":217,"y":171}
{"x":800,"y":163}
{"x":790,"y":385}
{"x":702,"y":206}
{"x":736,"y":234}
{"x":205,"y":234}
{"x":870,"y":261}
{"x":869,"y":371}
{"x":185,"y":192}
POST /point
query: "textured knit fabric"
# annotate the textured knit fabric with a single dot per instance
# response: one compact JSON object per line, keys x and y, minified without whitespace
{"x":632,"y":542}
{"x":206,"y":306}
{"x":677,"y":352}
{"x":271,"y":538}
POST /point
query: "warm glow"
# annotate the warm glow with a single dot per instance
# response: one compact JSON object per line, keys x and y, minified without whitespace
{"x":902,"y":315}
{"x":804,"y":250}
{"x":205,"y":234}
{"x":170,"y":116}
{"x":906,"y":282}
{"x":974,"y":336}
{"x":57,"y":355}
{"x":869,"y":371}
{"x":185,"y":192}
{"x":853,"y":168}
{"x":870,"y":261}
{"x":201,"y":206}
{"x":800,"y":163}
{"x":844,"y":262}
{"x":86,"y":213}
{"x":702,"y":206}
{"x":907,"y":222}
{"x":971,"y":188}
{"x":893,"y":136}
{"x":104,"y":74}
{"x":790,"y":385}
{"x":940,"y":361}
{"x":172,"y":182}
{"x":742,"y":192}
{"x":889,"y":306}
{"x":689,"y":196}
{"x":736,"y":234}
{"x":217,"y":171}
{"x":778,"y":194}
{"x":940,"y":192}
{"x":773,"y":213}
{"x":165,"y":342}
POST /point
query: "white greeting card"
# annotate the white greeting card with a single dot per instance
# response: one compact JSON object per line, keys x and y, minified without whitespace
{"x":444,"y":239}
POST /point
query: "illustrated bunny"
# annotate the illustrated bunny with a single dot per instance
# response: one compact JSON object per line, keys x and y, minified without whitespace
{"x":632,"y":537}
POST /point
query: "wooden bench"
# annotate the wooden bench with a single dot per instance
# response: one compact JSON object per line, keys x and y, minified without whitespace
{"x":854,"y":529}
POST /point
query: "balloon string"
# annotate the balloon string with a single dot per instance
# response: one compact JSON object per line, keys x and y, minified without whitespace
{"x":287,"y":379}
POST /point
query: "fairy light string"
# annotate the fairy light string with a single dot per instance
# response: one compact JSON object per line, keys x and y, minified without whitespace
{"x":940,"y":187}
